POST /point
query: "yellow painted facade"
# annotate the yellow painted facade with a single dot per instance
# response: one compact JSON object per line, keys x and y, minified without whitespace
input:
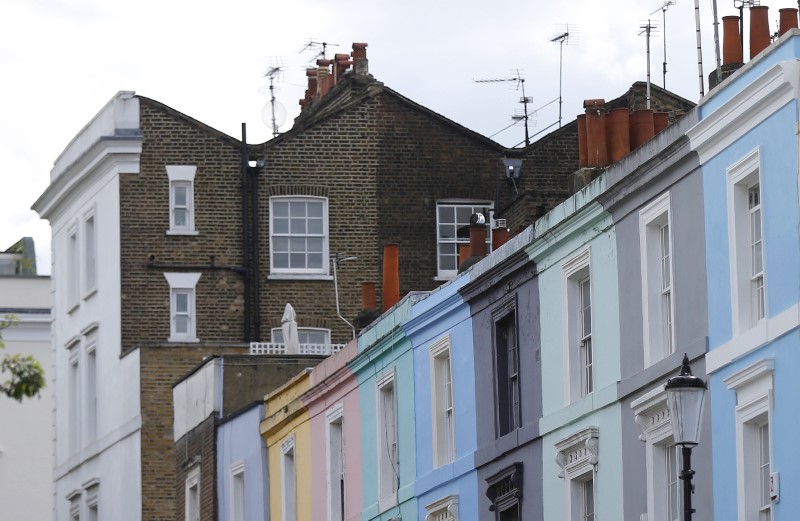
{"x":286,"y":429}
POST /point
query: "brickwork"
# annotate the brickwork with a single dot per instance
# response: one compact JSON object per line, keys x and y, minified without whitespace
{"x":193,"y":450}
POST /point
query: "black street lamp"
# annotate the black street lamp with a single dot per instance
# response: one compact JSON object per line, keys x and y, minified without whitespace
{"x":685,"y":394}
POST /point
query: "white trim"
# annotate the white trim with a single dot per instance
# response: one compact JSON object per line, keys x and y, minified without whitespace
{"x":334,"y":416}
{"x":387,"y":469}
{"x":443,"y":448}
{"x":90,"y":250}
{"x":290,"y":272}
{"x":288,"y":453}
{"x":181,"y":175}
{"x":573,"y":271}
{"x":737,"y":116}
{"x":192,"y":482}
{"x":183,"y":282}
{"x":238,"y":469}
{"x":448,"y":504}
{"x":578,"y":453}
{"x":650,"y":262}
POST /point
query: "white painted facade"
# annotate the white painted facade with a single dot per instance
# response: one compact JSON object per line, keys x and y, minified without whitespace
{"x":26,"y":429}
{"x":97,"y":463}
{"x":197,"y":397}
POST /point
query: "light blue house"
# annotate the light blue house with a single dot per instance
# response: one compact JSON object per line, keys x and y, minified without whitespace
{"x":384,"y":368}
{"x":242,"y":466}
{"x":440,"y":331}
{"x":575,"y":255}
{"x":747,"y":142}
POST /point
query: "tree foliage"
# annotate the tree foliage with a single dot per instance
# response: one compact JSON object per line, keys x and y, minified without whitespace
{"x":26,"y":373}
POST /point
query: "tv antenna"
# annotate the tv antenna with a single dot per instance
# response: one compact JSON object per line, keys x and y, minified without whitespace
{"x":663,"y":9}
{"x":564,"y":37}
{"x":520,"y":85}
{"x":647,"y":30}
{"x":277,"y":114}
{"x":319,"y":48}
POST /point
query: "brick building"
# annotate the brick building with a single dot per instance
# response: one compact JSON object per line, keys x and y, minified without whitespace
{"x":173,"y":241}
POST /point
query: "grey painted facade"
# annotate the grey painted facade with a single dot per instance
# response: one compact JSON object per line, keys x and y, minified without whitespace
{"x":667,"y":168}
{"x":500,"y":291}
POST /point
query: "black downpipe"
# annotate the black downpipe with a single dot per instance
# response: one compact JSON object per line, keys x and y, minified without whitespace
{"x":245,"y":236}
{"x":256,"y":274}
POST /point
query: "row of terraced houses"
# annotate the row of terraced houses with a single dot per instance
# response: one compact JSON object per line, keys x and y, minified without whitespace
{"x":483,"y":333}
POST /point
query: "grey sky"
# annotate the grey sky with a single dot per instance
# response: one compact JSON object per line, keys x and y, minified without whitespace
{"x":62,"y":60}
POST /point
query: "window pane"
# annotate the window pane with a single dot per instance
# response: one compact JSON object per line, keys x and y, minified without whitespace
{"x":280,"y":260}
{"x":297,"y":226}
{"x":314,"y":260}
{"x":180,"y":195}
{"x":447,"y":214}
{"x":182,"y":302}
{"x":315,"y":226}
{"x":280,"y":209}
{"x":280,"y":225}
{"x":280,"y":244}
{"x":314,"y":244}
{"x":297,"y":260}
{"x":447,"y":231}
{"x":180,"y":216}
{"x":297,"y":209}
{"x":182,"y":324}
{"x":463,"y":214}
{"x":297,"y":244}
{"x":315,"y":210}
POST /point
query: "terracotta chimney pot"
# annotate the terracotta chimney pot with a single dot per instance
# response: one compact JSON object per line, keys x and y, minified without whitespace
{"x":360,"y":62}
{"x":618,"y":134}
{"x":731,"y":41}
{"x":788,"y":19}
{"x":500,"y":234}
{"x":642,"y":127}
{"x":583,"y":156}
{"x":597,"y":151}
{"x":368,"y":300}
{"x":477,"y":240}
{"x":463,"y":253}
{"x":660,"y":121}
{"x":391,"y":275}
{"x":759,"y":29}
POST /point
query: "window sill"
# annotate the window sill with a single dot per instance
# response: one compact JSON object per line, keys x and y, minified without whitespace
{"x":72,"y":307}
{"x":183,"y":232}
{"x":444,"y":278}
{"x":299,"y":276}
{"x":89,"y":293}
{"x":183,"y":340}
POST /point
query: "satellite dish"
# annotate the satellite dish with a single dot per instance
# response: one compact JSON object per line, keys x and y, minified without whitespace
{"x":273,"y":114}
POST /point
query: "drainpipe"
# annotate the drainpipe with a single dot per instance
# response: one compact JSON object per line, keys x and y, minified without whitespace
{"x":245,"y":238}
{"x":256,"y":275}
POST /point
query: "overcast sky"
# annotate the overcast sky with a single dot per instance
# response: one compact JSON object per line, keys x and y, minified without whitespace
{"x":62,"y":60}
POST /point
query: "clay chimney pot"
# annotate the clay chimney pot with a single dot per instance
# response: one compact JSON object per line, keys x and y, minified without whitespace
{"x":731,"y":41}
{"x":788,"y":19}
{"x":759,"y":29}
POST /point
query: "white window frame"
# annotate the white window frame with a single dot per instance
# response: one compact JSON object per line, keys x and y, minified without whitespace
{"x":288,"y":480}
{"x":508,"y":398}
{"x":192,"y":495}
{"x":577,"y":457}
{"x":445,"y":509}
{"x":335,"y":464}
{"x":90,"y":389}
{"x":89,"y":253}
{"x":181,"y":176}
{"x":754,"y":387}
{"x":475,"y":205}
{"x":324,"y":269}
{"x":276,"y":334}
{"x":74,"y":499}
{"x":238,"y":493}
{"x":182,"y":283}
{"x":387,"y":440}
{"x":73,"y":274}
{"x":744,"y":305}
{"x":442,"y":402}
{"x":75,"y":397}
{"x":658,"y":299}
{"x":92,"y":493}
{"x":576,"y":272}
{"x":652,"y":416}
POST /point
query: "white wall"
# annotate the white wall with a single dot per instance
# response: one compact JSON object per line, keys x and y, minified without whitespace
{"x":26,"y":429}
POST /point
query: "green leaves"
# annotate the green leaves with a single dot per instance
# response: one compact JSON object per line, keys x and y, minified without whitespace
{"x":27,"y":375}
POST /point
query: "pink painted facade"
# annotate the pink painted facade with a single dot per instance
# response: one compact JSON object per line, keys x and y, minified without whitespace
{"x":333,"y":398}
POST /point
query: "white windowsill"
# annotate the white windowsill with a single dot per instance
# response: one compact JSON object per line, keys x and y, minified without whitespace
{"x":182,"y":232}
{"x":183,"y":340}
{"x":299,"y":276}
{"x":89,"y":293}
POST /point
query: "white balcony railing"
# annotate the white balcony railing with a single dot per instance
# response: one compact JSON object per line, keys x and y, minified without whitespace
{"x":270,"y":348}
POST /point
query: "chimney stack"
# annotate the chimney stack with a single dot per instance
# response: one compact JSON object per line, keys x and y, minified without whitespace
{"x":360,"y":62}
{"x":391,"y":275}
{"x":788,"y":19}
{"x":759,"y":29}
{"x":731,"y":41}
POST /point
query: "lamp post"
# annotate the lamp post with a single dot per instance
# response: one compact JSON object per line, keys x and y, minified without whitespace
{"x":685,"y":394}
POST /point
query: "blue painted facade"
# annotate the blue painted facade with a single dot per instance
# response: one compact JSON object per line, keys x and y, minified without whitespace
{"x":239,"y":444}
{"x":749,"y":128}
{"x":385,"y":354}
{"x":444,"y":317}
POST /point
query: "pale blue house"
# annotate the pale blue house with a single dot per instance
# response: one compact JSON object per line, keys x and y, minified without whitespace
{"x":440,"y":331}
{"x":747,"y":142}
{"x":242,"y":479}
{"x":384,"y":368}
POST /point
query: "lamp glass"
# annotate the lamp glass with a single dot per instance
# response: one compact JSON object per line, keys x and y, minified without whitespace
{"x":686,"y":412}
